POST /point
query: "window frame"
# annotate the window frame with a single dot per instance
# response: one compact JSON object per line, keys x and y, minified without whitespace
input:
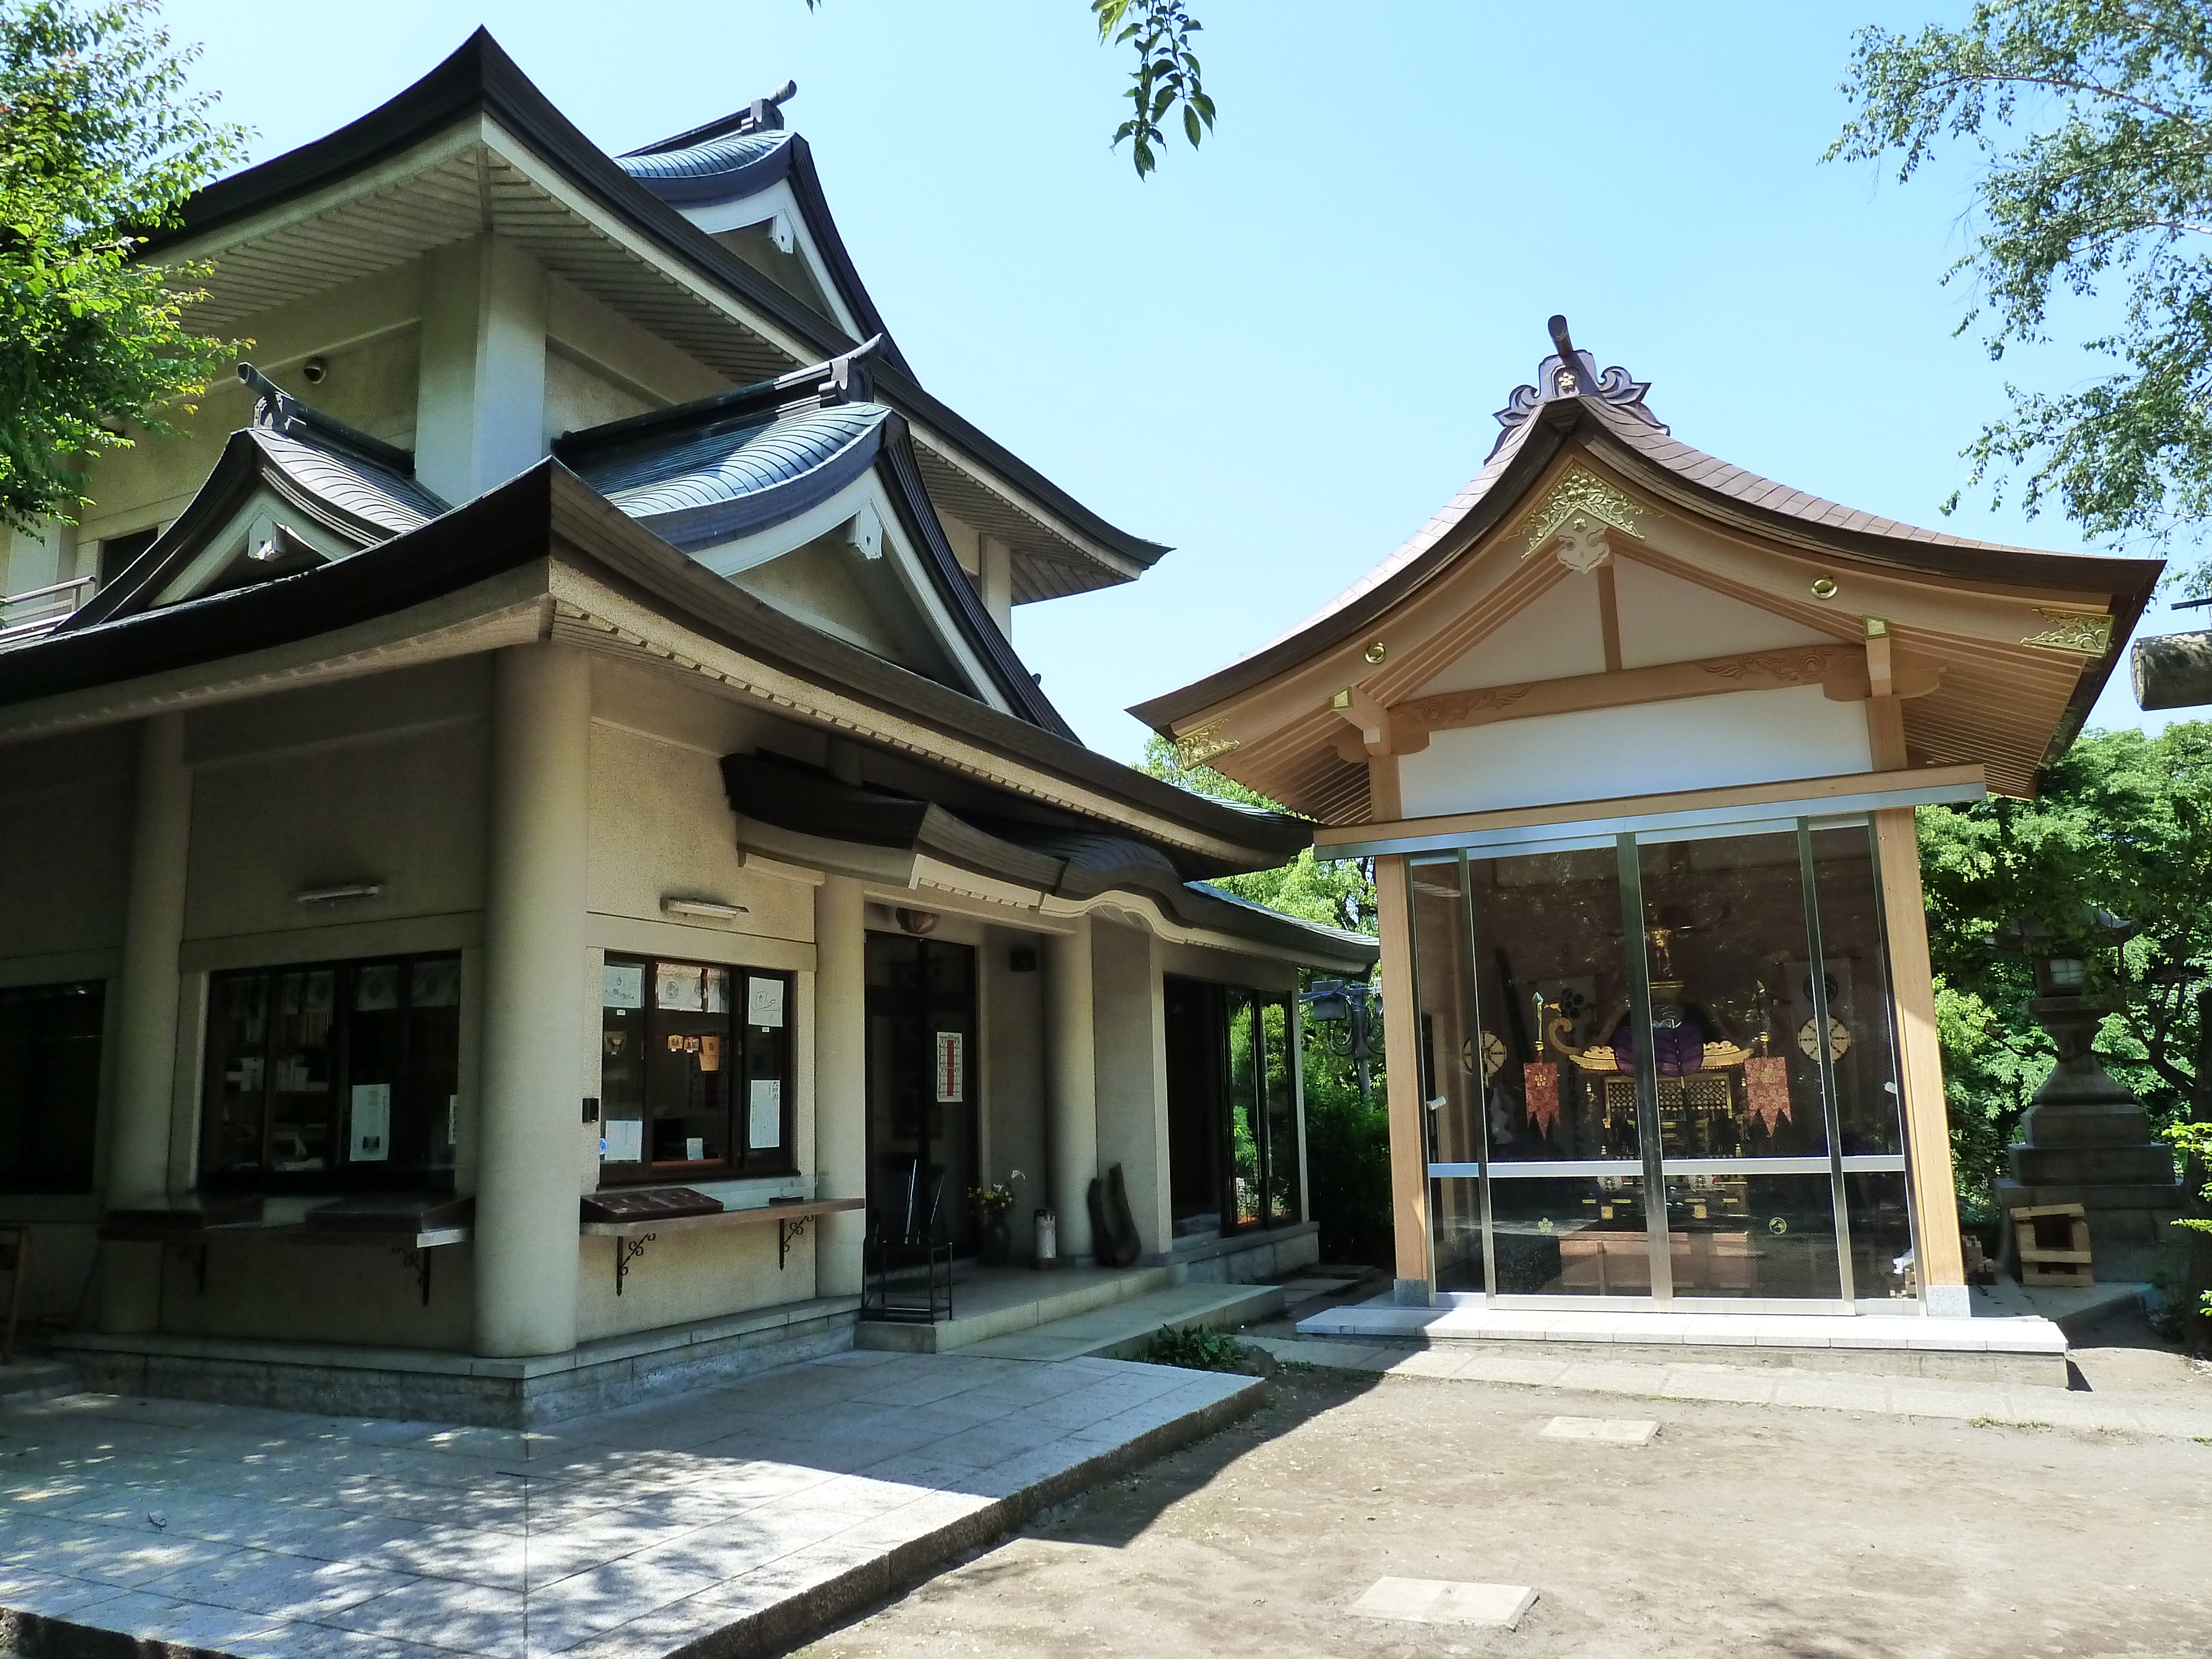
{"x":342,"y":1174}
{"x":743,"y":1161}
{"x":42,"y":1176}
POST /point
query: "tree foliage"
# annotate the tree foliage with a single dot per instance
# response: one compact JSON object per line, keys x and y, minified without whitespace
{"x":1166,"y":76}
{"x":2092,"y":122}
{"x":100,"y":144}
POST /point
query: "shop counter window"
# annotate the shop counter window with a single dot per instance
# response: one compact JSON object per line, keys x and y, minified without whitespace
{"x":694,"y":1070}
{"x":333,"y":1075}
{"x":49,"y":1086}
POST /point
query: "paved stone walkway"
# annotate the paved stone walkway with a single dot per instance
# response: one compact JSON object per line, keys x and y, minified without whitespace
{"x":1903,"y":1396}
{"x":759,"y":1509}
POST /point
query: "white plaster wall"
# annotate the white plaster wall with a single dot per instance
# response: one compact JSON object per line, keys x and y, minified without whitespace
{"x":700,"y":1274}
{"x":1130,"y":1035}
{"x":1600,"y":754}
{"x":1559,"y":634}
{"x":1664,"y":618}
{"x":1013,"y":1050}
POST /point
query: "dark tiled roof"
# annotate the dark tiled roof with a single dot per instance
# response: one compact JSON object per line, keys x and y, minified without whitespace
{"x":725,"y":169}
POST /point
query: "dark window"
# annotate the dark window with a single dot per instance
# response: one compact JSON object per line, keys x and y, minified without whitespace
{"x":1232,"y":1082}
{"x":49,"y":1086}
{"x":117,"y":553}
{"x":334,"y":1075}
{"x":694,"y":1070}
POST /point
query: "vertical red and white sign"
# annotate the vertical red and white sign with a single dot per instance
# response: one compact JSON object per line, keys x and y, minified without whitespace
{"x":951,"y":1067}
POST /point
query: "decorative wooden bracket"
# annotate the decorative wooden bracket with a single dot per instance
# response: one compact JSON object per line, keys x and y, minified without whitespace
{"x":1369,"y":718}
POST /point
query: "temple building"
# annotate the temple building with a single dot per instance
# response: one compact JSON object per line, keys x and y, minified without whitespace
{"x":530,"y":868}
{"x":1635,"y":739}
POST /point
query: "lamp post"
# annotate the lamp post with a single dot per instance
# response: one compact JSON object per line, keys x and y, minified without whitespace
{"x":1345,"y":1014}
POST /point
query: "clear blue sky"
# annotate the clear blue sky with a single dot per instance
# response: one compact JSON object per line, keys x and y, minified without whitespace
{"x":1281,"y":354}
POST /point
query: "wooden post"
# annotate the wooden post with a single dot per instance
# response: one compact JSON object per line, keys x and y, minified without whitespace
{"x":1941,"y":1260}
{"x":1409,"y":1175}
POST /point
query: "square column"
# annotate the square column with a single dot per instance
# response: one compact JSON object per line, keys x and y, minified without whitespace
{"x":1130,"y":1034}
{"x":539,"y":1014}
{"x":841,"y":1081}
{"x":1409,"y":1173}
{"x":1071,"y":1085}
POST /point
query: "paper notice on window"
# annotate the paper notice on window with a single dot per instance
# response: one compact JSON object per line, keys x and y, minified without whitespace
{"x":372,"y":1122}
{"x":765,"y":1129}
{"x":624,"y":1140}
{"x":622,"y":985}
{"x":680,"y":989}
{"x":764,"y":1002}
{"x":951,"y":1067}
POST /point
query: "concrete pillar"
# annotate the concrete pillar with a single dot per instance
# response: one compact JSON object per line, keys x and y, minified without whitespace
{"x":1409,"y":1174}
{"x":1130,"y":1036}
{"x":146,"y":1032}
{"x":145,"y":1023}
{"x":1071,"y":1086}
{"x":996,"y":579}
{"x":841,"y":1081}
{"x":537,"y":1016}
{"x":480,"y":406}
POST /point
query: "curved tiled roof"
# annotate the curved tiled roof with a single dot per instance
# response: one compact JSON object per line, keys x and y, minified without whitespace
{"x":721,"y":169}
{"x":730,"y":484}
{"x":376,"y":495}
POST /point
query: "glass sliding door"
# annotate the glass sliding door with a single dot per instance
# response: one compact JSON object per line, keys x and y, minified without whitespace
{"x":1662,"y":1067}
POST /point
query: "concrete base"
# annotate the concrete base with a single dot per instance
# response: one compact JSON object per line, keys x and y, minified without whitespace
{"x":2023,"y":1350}
{"x":1246,"y":1258}
{"x":1126,"y":1329}
{"x":2132,"y":1238}
{"x":420,"y":1386}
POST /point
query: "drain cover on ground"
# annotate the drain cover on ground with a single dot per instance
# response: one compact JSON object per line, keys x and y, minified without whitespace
{"x":1614,"y":1431}
{"x":1441,"y":1602}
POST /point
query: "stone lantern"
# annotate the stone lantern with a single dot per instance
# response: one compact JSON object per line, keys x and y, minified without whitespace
{"x":2085,"y":1139}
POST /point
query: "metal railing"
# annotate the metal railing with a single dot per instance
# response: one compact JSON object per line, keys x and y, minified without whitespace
{"x":48,"y":607}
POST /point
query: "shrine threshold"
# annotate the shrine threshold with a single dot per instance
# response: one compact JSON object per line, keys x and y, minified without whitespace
{"x":1662,"y":1069}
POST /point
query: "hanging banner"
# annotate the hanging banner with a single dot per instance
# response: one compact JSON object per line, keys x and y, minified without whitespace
{"x":951,"y":1067}
{"x":1539,"y":1084}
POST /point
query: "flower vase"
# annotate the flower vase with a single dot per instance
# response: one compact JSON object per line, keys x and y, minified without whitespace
{"x":997,"y":1245}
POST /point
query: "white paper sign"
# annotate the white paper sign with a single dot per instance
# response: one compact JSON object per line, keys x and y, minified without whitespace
{"x":622,"y":985}
{"x":680,"y":989}
{"x":372,"y":1122}
{"x":764,"y":1002}
{"x":766,"y":1128}
{"x":624,"y":1140}
{"x":951,"y":1067}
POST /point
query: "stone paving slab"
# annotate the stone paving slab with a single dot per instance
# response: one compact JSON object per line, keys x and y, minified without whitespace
{"x":1125,"y":1328}
{"x":1903,"y":1396}
{"x":739,"y":1517}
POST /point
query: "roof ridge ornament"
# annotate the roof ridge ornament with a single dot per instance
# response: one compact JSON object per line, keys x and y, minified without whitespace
{"x":1572,"y":373}
{"x":761,"y":115}
{"x":277,"y":410}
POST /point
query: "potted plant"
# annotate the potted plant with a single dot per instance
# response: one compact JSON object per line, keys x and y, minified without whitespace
{"x":991,"y":1203}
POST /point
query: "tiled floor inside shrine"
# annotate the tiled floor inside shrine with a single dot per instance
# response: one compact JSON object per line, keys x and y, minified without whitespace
{"x":756,"y":1511}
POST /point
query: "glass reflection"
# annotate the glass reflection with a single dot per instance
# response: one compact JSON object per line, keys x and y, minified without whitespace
{"x":1571,"y":1236}
{"x":1850,"y":899}
{"x":1753,"y":1235}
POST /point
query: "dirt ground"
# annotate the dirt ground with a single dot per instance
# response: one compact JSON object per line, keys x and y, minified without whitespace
{"x":1739,"y":1530}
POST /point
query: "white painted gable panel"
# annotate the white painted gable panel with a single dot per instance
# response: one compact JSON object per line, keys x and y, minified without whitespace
{"x":1557,"y":634}
{"x":1649,"y":749}
{"x":1666,"y":619}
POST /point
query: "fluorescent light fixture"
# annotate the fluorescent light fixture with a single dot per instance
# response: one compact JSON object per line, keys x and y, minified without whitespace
{"x":711,"y":909}
{"x":339,"y":892}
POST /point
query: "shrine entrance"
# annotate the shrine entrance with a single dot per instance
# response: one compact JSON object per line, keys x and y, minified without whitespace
{"x":1661,"y":1065}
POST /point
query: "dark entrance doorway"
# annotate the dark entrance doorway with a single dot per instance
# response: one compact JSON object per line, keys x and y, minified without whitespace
{"x":1232,"y":1107}
{"x":921,"y":1088}
{"x":1196,"y":1077}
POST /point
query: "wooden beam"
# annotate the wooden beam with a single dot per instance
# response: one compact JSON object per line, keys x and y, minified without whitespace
{"x":1941,"y":1259}
{"x":1409,"y":1173}
{"x":1840,"y":670}
{"x":1369,"y":718}
{"x":1608,"y":617}
{"x":1686,"y":801}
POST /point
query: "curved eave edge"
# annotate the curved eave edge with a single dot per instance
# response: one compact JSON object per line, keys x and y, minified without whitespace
{"x":2125,"y":586}
{"x":512,"y":527}
{"x":711,"y":524}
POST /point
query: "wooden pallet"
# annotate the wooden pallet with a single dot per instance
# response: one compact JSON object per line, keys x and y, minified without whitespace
{"x":2043,"y":1260}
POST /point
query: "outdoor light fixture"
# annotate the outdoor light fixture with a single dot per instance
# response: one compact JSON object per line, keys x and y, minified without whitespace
{"x":339,"y":892}
{"x":1334,"y":1004}
{"x":917,"y":922}
{"x":710,"y":909}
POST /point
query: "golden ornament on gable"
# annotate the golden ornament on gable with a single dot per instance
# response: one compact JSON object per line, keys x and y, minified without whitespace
{"x":1582,"y":499}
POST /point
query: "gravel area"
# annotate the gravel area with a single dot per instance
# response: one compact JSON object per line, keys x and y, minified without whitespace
{"x":1738,"y":1530}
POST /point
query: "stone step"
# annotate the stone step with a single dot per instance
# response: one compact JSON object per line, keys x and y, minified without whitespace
{"x":1018,"y":1300}
{"x":1121,"y":1330}
{"x":36,"y":1376}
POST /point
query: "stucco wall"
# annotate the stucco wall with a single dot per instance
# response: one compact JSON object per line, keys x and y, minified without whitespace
{"x":1013,"y":1075}
{"x":65,"y":808}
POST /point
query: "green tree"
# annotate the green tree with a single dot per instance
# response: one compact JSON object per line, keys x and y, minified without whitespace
{"x":100,"y":144}
{"x":1164,"y":78}
{"x":2092,"y":121}
{"x":2123,"y":825}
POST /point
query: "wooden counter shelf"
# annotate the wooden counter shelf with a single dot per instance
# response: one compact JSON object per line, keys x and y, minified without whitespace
{"x":631,"y":1234}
